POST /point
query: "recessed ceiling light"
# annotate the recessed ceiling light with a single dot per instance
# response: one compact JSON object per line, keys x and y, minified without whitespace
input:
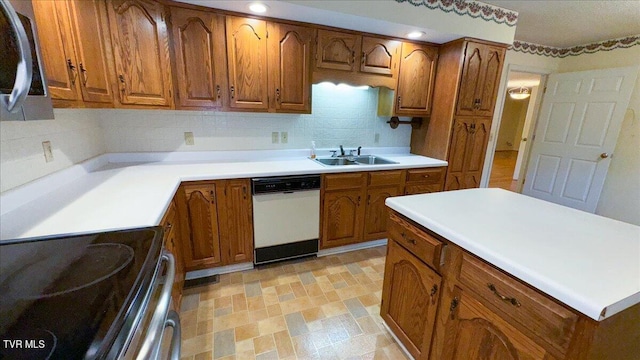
{"x":258,"y":8}
{"x":416,"y":34}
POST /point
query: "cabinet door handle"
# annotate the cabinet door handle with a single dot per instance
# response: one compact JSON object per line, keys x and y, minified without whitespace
{"x":83,"y":72}
{"x":511,"y":300}
{"x":218,"y":91}
{"x":353,"y":57}
{"x":233,"y":92}
{"x":426,"y":176}
{"x":278,"y":96}
{"x":122,"y":88}
{"x":358,"y":201}
{"x":168,"y":227}
{"x":364,"y":56}
{"x":72,"y":72}
{"x":244,"y":192}
{"x":399,"y":101}
{"x":213,"y":197}
{"x":409,"y":240}
{"x":369,"y":199}
{"x":454,"y":304}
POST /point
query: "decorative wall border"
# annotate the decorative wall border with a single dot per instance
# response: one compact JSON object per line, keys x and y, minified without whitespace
{"x":475,"y":9}
{"x":550,"y":51}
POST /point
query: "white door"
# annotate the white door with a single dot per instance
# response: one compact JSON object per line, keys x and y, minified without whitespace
{"x":576,"y":134}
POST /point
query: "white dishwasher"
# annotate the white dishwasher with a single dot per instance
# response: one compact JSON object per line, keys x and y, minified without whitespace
{"x":286,"y":217}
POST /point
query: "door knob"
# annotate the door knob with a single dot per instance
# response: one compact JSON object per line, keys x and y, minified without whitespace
{"x":604,"y":155}
{"x":524,"y":139}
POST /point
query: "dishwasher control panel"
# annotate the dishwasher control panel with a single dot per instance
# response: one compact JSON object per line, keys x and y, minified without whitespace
{"x":285,"y":184}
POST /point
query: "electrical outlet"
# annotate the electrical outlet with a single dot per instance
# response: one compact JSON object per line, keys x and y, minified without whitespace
{"x":285,"y":137}
{"x":188,"y":138}
{"x":376,"y":138}
{"x":275,"y":137}
{"x":48,"y":154}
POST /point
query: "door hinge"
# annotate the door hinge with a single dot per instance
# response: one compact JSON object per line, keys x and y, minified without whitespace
{"x":544,"y":91}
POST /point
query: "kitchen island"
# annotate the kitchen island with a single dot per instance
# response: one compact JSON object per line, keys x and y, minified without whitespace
{"x":543,"y":279}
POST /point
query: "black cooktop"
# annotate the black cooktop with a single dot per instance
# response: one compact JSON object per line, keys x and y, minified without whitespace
{"x":73,"y":297}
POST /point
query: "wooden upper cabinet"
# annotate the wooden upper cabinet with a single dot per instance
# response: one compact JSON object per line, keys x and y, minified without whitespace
{"x":380,"y":56}
{"x":336,"y":50}
{"x":198,"y":40}
{"x":289,"y":67}
{"x":236,"y":226}
{"x":480,"y":79}
{"x":247,"y":63}
{"x":75,"y":49}
{"x":93,"y":50}
{"x":472,"y":331}
{"x":410,"y":295}
{"x":202,"y":249}
{"x":415,"y":82}
{"x":56,"y":46}
{"x":141,"y":51}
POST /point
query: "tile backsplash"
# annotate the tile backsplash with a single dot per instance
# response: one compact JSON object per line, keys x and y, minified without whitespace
{"x":342,"y":115}
{"x":75,"y":136}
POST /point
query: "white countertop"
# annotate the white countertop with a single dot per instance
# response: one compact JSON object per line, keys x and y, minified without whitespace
{"x":123,"y":195}
{"x":586,"y":261}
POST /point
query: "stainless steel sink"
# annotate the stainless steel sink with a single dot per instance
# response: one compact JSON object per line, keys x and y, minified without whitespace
{"x":372,"y":160}
{"x":354,"y":160}
{"x":335,"y":161}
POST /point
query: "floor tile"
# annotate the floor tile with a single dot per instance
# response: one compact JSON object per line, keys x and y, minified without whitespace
{"x":223,"y":343}
{"x":321,"y":308}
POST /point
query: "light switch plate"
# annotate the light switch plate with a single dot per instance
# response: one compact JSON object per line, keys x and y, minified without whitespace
{"x":48,"y":154}
{"x":275,"y":137}
{"x":285,"y":137}
{"x":188,"y":138}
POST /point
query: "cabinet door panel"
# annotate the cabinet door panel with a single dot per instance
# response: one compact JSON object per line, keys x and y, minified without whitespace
{"x":380,"y":56}
{"x":409,"y":299}
{"x":200,"y":53}
{"x":488,"y":88}
{"x":471,"y":73}
{"x":459,"y":140}
{"x":478,"y":144}
{"x":474,"y":332}
{"x":93,"y":50}
{"x":375,"y":222}
{"x":237,"y":226}
{"x":341,"y":218}
{"x":141,"y":52}
{"x":336,"y":50}
{"x":289,"y":62}
{"x":203,"y":248}
{"x":415,"y":82}
{"x":247,"y":62}
{"x":56,"y":47}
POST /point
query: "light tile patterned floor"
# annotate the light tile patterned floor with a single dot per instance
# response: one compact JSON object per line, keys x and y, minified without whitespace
{"x":324,"y":308}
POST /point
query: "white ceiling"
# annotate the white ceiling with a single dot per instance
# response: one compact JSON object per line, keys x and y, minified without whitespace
{"x":559,"y":23}
{"x":569,"y":23}
{"x":517,"y":79}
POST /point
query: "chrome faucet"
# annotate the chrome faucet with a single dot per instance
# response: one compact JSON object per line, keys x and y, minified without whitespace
{"x":341,"y":151}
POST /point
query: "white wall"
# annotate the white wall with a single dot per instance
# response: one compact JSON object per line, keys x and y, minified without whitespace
{"x":341,"y":116}
{"x":620,"y":198}
{"x":511,"y":124}
{"x":75,"y":136}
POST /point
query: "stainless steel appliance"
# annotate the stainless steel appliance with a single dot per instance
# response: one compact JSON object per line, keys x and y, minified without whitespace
{"x":286,"y":217}
{"x":95,"y":296}
{"x":23,"y":86}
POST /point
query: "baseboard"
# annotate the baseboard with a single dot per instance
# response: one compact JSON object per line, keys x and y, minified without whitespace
{"x":404,"y":349}
{"x":218,"y":270}
{"x":354,"y":247}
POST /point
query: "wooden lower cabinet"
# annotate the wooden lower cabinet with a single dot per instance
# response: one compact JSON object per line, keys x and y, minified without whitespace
{"x":172,"y":242}
{"x":342,"y":218}
{"x":480,"y":312}
{"x":218,"y":218}
{"x":475,"y":332}
{"x":409,"y":299}
{"x":375,"y":220}
{"x":423,"y":181}
{"x":236,"y":221}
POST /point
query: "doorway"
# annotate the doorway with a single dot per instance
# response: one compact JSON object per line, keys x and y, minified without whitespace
{"x":513,"y":133}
